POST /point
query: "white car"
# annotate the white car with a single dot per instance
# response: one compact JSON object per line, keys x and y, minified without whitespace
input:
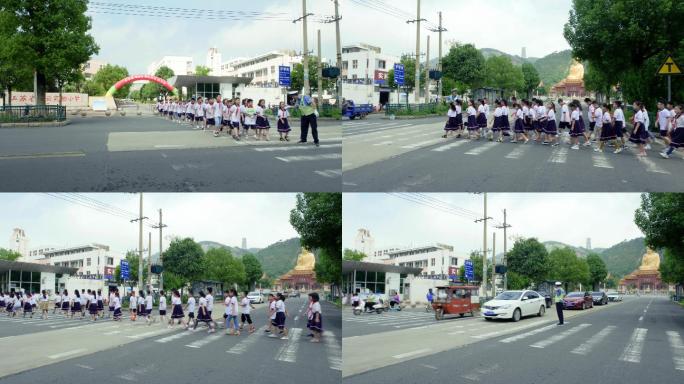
{"x":614,"y":296}
{"x":514,"y":305}
{"x":255,"y":297}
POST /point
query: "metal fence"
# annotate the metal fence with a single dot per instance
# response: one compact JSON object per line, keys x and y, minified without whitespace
{"x":400,"y":109}
{"x":32,"y":114}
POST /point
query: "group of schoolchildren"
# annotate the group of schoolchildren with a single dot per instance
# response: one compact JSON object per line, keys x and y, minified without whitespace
{"x":239,"y":118}
{"x":141,"y":305}
{"x":536,"y":120}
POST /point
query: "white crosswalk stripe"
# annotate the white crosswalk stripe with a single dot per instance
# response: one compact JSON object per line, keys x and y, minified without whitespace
{"x":527,"y":334}
{"x":481,"y":149}
{"x":677,"y":347}
{"x":595,"y":340}
{"x":518,"y":152}
{"x":558,"y":337}
{"x":422,"y":143}
{"x":242,"y":346}
{"x":334,"y":350}
{"x":330,"y":173}
{"x":632,"y":352}
{"x":600,"y":160}
{"x":295,"y":148}
{"x":288,"y":352}
{"x":325,"y":156}
{"x":204,"y":341}
{"x":173,"y":337}
{"x":447,"y":147}
{"x":651,"y":166}
{"x":559,"y":155}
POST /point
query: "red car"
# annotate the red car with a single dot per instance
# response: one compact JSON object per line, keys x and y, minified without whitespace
{"x":578,"y":300}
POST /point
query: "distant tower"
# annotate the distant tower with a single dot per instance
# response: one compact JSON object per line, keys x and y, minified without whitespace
{"x":589,"y":243}
{"x":18,"y":242}
{"x":244,"y":243}
{"x":214,"y":61}
{"x":523,"y":54}
{"x":364,"y":242}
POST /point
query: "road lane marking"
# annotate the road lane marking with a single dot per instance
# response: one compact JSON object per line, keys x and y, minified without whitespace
{"x":173,"y":337}
{"x":556,"y":338}
{"x":169,"y":146}
{"x":67,"y":353}
{"x":327,"y":156}
{"x":527,"y":334}
{"x":206,"y":340}
{"x":422,"y":143}
{"x":447,"y":147}
{"x":559,"y":155}
{"x":383,"y":143}
{"x":334,"y":350}
{"x":481,"y":149}
{"x":288,"y":352}
{"x":677,"y":349}
{"x":632,"y":352}
{"x":588,"y":345}
{"x":297,"y":147}
{"x":651,"y":166}
{"x":145,"y":334}
{"x":330,"y":173}
{"x":518,"y":152}
{"x":43,"y":155}
{"x":85,"y":366}
{"x":241,"y":347}
{"x":600,"y":160}
{"x":412,"y":353}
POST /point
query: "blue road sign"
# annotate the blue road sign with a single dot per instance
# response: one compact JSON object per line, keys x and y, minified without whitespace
{"x":469,"y":270}
{"x":125,"y":270}
{"x":399,"y":74}
{"x":284,"y":78}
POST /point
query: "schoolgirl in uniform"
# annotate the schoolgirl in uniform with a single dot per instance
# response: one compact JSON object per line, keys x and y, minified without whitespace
{"x":677,"y":135}
{"x":472,"y":120}
{"x":597,"y":116}
{"x":262,"y":124}
{"x":550,"y":127}
{"x":316,"y":324}
{"x":564,"y":116}
{"x":273,"y":324}
{"x":209,"y":111}
{"x":497,"y":125}
{"x":3,"y":302}
{"x":591,"y":116}
{"x":133,"y":306}
{"x":250,"y":118}
{"x":481,"y":119}
{"x":100,"y":303}
{"x":243,"y":109}
{"x":84,"y":302}
{"x":245,"y":316}
{"x":44,"y":304}
{"x":542,"y":118}
{"x":203,"y":313}
{"x":637,"y":134}
{"x":190,"y":307}
{"x":176,"y":309}
{"x":58,"y":303}
{"x":619,"y":122}
{"x":607,"y":129}
{"x":452,"y":121}
{"x":149,"y":301}
{"x":117,"y":306}
{"x":577,"y":125}
{"x":527,"y":118}
{"x":162,"y":307}
{"x":92,"y":305}
{"x":647,"y":125}
{"x":199,"y":113}
{"x":10,"y":305}
{"x":65,"y":303}
{"x":505,"y":121}
{"x":235,"y":119}
{"x":28,"y":308}
{"x":232,"y":312}
{"x":190,"y":112}
{"x":76,"y":303}
{"x":283,"y":123}
{"x":110,"y":303}
{"x":663,"y":122}
{"x":210,"y":302}
{"x":281,"y":315}
{"x":519,"y":125}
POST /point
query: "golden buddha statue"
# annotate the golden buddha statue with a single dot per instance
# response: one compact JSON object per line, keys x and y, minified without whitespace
{"x":650,"y":261}
{"x":576,"y":71}
{"x":306,"y":261}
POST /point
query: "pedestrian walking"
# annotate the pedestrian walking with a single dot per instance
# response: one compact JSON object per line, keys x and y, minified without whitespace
{"x":245,"y":316}
{"x":316,"y":320}
{"x":162,"y":307}
{"x":677,"y":135}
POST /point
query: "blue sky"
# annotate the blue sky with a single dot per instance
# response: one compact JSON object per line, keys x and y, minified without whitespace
{"x":225,"y":218}
{"x":606,"y":218}
{"x":136,"y":41}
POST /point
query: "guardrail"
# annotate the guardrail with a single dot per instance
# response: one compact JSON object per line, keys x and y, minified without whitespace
{"x":32,"y":114}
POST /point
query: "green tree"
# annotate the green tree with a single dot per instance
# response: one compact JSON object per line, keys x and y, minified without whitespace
{"x":464,"y":64}
{"x":598,"y":81}
{"x":172,"y":282}
{"x":151,"y":90}
{"x":253,"y":271}
{"x":501,"y":73}
{"x":297,"y":77}
{"x":409,"y":75}
{"x":350,"y":254}
{"x":53,"y":35}
{"x":110,"y":75}
{"x":530,"y":78}
{"x":133,"y":259}
{"x":185,"y":259}
{"x":6,"y":254}
{"x":13,"y":70}
{"x":517,"y":281}
{"x":597,"y":270}
{"x":529,"y":258}
{"x":567,"y":267}
{"x":93,"y":89}
{"x":220,"y":265}
{"x":661,"y":218}
{"x":317,"y":217}
{"x":476,"y":258}
{"x":201,"y":70}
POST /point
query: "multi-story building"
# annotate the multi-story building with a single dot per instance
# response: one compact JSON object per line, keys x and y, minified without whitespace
{"x":91,"y":260}
{"x":181,"y":65}
{"x":365,"y":71}
{"x":434,"y":259}
{"x":382,"y":255}
{"x":262,"y":69}
{"x":92,"y":67}
{"x":364,"y":242}
{"x":214,"y":61}
{"x":19,"y":242}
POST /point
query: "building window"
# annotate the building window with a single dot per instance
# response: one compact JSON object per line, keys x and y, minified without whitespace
{"x":382,"y":64}
{"x":454,"y":261}
{"x":432,"y":262}
{"x":354,"y":77}
{"x":110,"y":261}
{"x":355,"y":64}
{"x":345,"y":65}
{"x":88,"y":262}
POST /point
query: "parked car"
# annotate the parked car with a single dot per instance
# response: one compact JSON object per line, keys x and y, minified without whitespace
{"x":294,"y":294}
{"x":548,"y":298}
{"x":255,"y":297}
{"x":614,"y":296}
{"x":600,"y":298}
{"x":578,"y":300}
{"x":514,"y":305}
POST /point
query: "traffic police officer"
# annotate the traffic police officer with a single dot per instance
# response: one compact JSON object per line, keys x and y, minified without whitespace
{"x":558,"y":295}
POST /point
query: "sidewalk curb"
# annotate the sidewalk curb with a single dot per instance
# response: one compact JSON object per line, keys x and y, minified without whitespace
{"x":35,"y":125}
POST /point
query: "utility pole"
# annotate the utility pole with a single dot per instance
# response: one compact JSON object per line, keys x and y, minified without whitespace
{"x":160,"y":226}
{"x":320,"y":70}
{"x":339,"y":52}
{"x":484,"y":246}
{"x":505,"y":260}
{"x":493,"y":264}
{"x":427,"y":72}
{"x":417,"y":73}
{"x":149,"y":261}
{"x":305,"y":59}
{"x":439,"y":64}
{"x":140,"y":220}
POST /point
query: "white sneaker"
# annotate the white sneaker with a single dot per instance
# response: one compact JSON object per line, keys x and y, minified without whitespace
{"x":664,"y":155}
{"x":283,"y":338}
{"x":648,"y":146}
{"x":272,"y":336}
{"x":618,"y":150}
{"x":598,"y":150}
{"x":576,"y":147}
{"x":587,"y":144}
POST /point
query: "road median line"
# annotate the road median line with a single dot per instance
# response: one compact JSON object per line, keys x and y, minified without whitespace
{"x":42,"y":155}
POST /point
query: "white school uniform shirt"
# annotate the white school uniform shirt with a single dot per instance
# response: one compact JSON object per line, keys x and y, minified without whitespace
{"x":226,"y":304}
{"x":272,"y":307}
{"x":209,"y":111}
{"x":234,"y":113}
{"x":148,"y":302}
{"x":639,"y":117}
{"x":541,"y":112}
{"x":210,"y":302}
{"x":663,"y":119}
{"x":203,"y":302}
{"x":519,"y":113}
{"x":32,"y":300}
{"x":246,"y":306}
{"x":565,"y":114}
{"x":190,"y":108}
{"x":177,"y":301}
{"x":133,"y":302}
{"x":498,"y":112}
{"x":111,"y":299}
{"x":619,"y":115}
{"x":117,"y":303}
{"x":191,"y":304}
{"x":679,"y":122}
{"x":471,"y":111}
{"x":162,"y":303}
{"x":526,"y":111}
{"x":199,"y":110}
{"x":283,"y":114}
{"x":486,"y":109}
{"x":672,"y":123}
{"x":452,"y":113}
{"x":233,"y":306}
{"x":84,"y":298}
{"x":280,"y":306}
{"x":551,"y":115}
{"x":259,"y":111}
{"x":316,"y":308}
{"x":43,"y":299}
{"x":481,"y":109}
{"x":218,"y":110}
{"x":606,"y":117}
{"x":459,"y":110}
{"x":647,"y":120}
{"x":598,"y":117}
{"x":591,"y":113}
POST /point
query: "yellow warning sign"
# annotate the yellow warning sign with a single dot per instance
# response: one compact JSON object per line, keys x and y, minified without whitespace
{"x":670,"y":68}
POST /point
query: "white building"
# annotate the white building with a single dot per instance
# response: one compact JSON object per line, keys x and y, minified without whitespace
{"x":365,"y":72}
{"x":19,"y":242}
{"x":181,"y":65}
{"x":214,"y":61}
{"x":262,"y":69}
{"x":434,"y":259}
{"x":365,"y":243}
{"x":91,"y":67}
{"x":94,"y":260}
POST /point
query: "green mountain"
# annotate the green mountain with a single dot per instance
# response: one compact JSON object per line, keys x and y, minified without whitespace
{"x":620,"y":259}
{"x":554,"y":67}
{"x":275,"y":259}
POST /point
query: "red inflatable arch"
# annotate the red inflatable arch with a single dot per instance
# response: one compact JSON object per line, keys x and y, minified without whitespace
{"x":121,"y":83}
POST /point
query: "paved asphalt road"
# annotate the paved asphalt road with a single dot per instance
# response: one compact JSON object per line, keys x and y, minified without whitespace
{"x":135,"y":153}
{"x":373,"y":323}
{"x":155,"y":354}
{"x":381,"y":155}
{"x":637,"y":341}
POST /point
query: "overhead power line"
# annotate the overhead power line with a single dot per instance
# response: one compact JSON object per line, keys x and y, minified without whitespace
{"x":98,"y":206}
{"x":390,"y":10}
{"x":441,"y":206}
